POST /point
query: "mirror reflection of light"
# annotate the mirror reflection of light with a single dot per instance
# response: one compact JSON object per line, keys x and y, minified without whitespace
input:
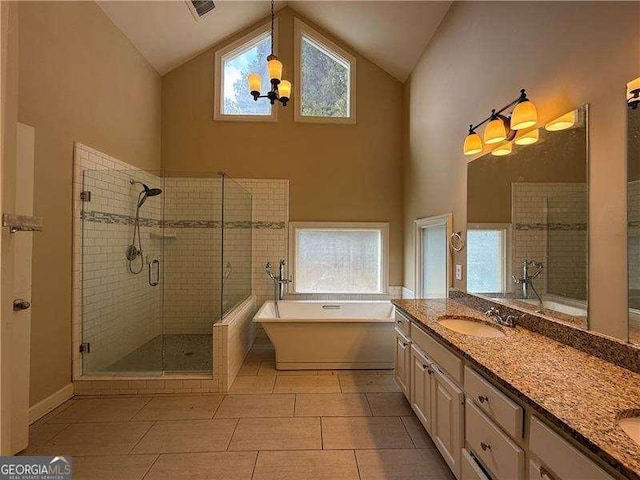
{"x":563,"y":122}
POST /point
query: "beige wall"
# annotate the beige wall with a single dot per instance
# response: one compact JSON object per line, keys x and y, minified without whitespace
{"x":336,"y":172}
{"x":79,"y":79}
{"x":565,"y":54}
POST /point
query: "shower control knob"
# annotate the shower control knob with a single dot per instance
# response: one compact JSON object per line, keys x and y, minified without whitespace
{"x":20,"y":304}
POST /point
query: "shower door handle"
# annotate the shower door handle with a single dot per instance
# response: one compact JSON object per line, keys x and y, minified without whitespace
{"x":155,"y":263}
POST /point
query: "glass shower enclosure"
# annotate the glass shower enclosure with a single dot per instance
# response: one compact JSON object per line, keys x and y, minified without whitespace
{"x":164,"y":257}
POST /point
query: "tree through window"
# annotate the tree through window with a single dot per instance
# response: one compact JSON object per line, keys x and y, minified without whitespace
{"x":326,"y":78}
{"x":234,"y":63}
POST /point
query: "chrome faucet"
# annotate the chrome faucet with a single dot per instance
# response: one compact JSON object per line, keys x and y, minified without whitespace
{"x":280,"y":281}
{"x":507,"y":321}
{"x":527,"y":279}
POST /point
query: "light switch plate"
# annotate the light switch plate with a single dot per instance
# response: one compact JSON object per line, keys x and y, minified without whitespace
{"x":458,"y":272}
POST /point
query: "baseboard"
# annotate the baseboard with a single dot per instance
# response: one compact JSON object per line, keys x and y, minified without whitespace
{"x":43,"y":407}
{"x":406,"y":293}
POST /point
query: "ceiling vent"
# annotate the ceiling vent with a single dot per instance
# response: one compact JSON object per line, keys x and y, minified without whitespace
{"x":200,"y":8}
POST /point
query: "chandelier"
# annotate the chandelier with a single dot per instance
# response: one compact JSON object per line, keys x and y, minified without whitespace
{"x":280,"y":89}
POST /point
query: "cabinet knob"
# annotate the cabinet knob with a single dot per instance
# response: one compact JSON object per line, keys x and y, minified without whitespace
{"x":399,"y":322}
{"x":483,"y":398}
{"x":404,"y":344}
{"x":485,"y":446}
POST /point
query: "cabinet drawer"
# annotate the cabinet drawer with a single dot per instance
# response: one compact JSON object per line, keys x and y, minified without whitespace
{"x":494,"y":403}
{"x":402,"y":323}
{"x":448,"y":361}
{"x":563,"y":460}
{"x":499,"y":454}
{"x":470,"y":468}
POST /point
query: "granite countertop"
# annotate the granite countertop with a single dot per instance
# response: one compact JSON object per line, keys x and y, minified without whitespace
{"x":577,"y":392}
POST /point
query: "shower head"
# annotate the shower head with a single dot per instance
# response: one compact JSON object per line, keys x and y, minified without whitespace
{"x":146,"y":193}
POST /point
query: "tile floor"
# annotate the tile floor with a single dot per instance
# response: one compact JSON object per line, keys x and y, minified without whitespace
{"x":324,"y":425}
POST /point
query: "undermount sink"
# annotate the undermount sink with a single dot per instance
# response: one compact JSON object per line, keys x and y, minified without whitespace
{"x":470,"y":326}
{"x":631,"y":427}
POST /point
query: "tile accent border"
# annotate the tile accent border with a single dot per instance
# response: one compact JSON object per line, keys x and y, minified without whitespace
{"x":609,"y":349}
{"x":116,"y":218}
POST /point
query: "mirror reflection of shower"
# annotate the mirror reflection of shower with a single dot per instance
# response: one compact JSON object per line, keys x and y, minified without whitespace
{"x":135,"y":251}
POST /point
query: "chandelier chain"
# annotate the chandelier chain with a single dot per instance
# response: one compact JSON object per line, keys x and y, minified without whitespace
{"x":272,"y":1}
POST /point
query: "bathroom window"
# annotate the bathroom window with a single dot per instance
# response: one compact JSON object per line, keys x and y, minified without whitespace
{"x":487,"y":258}
{"x":339,"y":257}
{"x":325,"y":79}
{"x":433,"y":260}
{"x":233,"y":64}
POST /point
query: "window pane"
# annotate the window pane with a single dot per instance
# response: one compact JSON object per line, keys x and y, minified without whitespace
{"x":434,"y":250}
{"x":235,"y":69}
{"x":338,"y":261}
{"x":485,"y":264}
{"x":325,"y":81}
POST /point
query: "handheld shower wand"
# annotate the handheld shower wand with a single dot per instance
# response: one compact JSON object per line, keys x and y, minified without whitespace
{"x":135,"y":251}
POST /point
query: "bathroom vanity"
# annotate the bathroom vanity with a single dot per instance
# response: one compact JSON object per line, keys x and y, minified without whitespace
{"x":510,"y":403}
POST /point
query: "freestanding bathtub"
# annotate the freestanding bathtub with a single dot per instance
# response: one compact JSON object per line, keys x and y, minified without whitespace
{"x":314,"y":335}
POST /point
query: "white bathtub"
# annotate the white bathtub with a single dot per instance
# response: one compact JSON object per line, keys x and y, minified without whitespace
{"x":310,"y":335}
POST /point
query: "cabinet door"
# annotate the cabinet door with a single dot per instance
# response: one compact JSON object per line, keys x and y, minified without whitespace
{"x":421,"y":390}
{"x":447,"y":425}
{"x":403,"y":353}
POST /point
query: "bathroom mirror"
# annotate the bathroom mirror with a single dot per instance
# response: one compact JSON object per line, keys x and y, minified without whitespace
{"x":633,"y":218}
{"x":527,"y":215}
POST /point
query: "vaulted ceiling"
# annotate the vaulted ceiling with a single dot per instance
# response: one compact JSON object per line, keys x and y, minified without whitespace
{"x":392,"y":34}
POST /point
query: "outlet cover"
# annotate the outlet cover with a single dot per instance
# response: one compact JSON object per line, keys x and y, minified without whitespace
{"x":458,"y":272}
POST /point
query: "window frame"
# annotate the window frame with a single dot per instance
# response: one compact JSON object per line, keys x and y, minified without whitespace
{"x":507,"y":260}
{"x":382,"y":227}
{"x":300,"y":29}
{"x":255,"y":36}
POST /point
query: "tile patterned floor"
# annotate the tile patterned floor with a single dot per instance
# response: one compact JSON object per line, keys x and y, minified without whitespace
{"x":319,"y":425}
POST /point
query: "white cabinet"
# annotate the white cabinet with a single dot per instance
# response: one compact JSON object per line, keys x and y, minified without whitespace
{"x":471,"y":470}
{"x":495,"y":404}
{"x":403,"y":362}
{"x":421,"y":387}
{"x":499,"y":454}
{"x":484,"y":439}
{"x":447,"y":425}
{"x":557,"y":459}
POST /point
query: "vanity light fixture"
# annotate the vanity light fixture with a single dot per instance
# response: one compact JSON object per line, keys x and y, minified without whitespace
{"x":280,"y":89}
{"x":500,"y":127}
{"x":528,"y":138}
{"x":563,"y":122}
{"x":502,"y":150}
{"x":633,"y":93}
{"x":472,"y":143}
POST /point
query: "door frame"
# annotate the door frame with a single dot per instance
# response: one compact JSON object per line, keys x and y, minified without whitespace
{"x":7,"y":19}
{"x":420,"y":225}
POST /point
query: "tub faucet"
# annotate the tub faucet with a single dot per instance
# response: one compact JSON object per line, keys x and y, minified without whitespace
{"x":278,"y":281}
{"x":527,"y":278}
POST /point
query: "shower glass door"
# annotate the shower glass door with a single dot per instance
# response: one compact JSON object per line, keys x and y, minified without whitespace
{"x":122,"y":272}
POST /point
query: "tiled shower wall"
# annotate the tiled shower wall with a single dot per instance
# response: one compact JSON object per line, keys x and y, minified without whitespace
{"x":270,"y":220}
{"x":121,"y":310}
{"x":192,"y":250}
{"x":550,"y":225}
